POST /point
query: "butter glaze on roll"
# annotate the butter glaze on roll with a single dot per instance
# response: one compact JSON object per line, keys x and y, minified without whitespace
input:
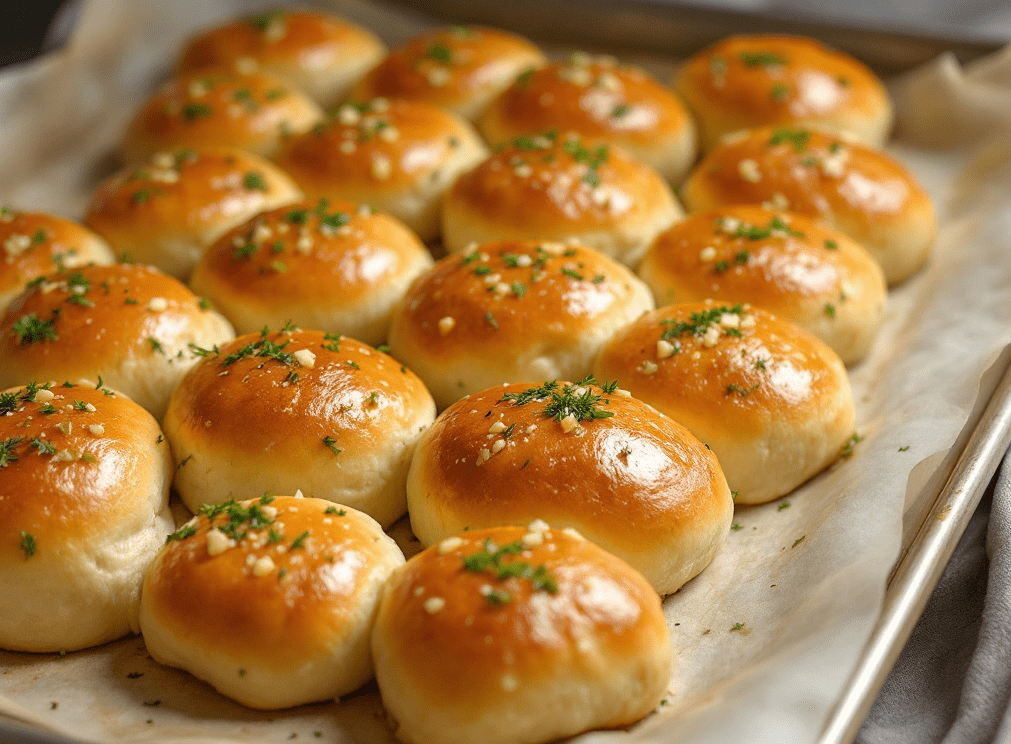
{"x":397,"y":156}
{"x":513,"y":310}
{"x":33,"y":244}
{"x":85,"y":479}
{"x":132,"y":325}
{"x":550,"y":187}
{"x":745,"y":82}
{"x":270,"y":600}
{"x":460,"y":68}
{"x":855,"y":189}
{"x":336,"y":267}
{"x":167,"y":210}
{"x":313,"y":51}
{"x":784,"y":263}
{"x":602,"y":100}
{"x":635,"y":482}
{"x":574,"y":640}
{"x":219,"y":108}
{"x":772,"y":401}
{"x":298,"y":410}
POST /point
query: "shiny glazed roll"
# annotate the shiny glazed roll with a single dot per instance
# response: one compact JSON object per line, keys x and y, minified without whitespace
{"x":336,"y":267}
{"x":219,"y":108}
{"x":602,"y":100}
{"x":130,"y":325}
{"x":516,"y":636}
{"x":166,"y":211}
{"x":298,"y":410}
{"x":744,"y":82}
{"x":513,"y":310}
{"x":855,"y":189}
{"x":575,"y":455}
{"x":33,"y":244}
{"x":85,"y":479}
{"x":313,"y":51}
{"x":460,"y":68}
{"x":270,"y":600}
{"x":772,"y":401}
{"x":549,"y":187}
{"x":785,"y":263}
{"x":397,"y":156}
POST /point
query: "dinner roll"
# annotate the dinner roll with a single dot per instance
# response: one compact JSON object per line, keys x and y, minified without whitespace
{"x":83,"y":510}
{"x":513,"y":310}
{"x":166,"y":211}
{"x":575,"y":455}
{"x":852,"y":188}
{"x":398,"y":156}
{"x":785,"y":263}
{"x":294,"y":410}
{"x":603,"y":101}
{"x":334,"y":267}
{"x":516,"y":636}
{"x":460,"y":68}
{"x":313,"y":51}
{"x":743,"y":82}
{"x":219,"y":108}
{"x":270,"y":600}
{"x":36,"y":243}
{"x":130,"y":325}
{"x":552,"y":188}
{"x":772,"y":401}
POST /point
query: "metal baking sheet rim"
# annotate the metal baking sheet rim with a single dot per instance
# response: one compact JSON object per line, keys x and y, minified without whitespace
{"x":680,"y":31}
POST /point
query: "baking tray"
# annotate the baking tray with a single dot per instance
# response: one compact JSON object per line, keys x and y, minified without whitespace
{"x":676,"y":31}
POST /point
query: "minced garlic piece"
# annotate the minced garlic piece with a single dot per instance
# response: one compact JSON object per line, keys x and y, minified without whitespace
{"x":498,"y":446}
{"x":218,"y":542}
{"x":496,"y":427}
{"x":263,"y":566}
{"x":664,"y":349}
{"x":44,"y":396}
{"x":711,"y":337}
{"x":532,"y":540}
{"x":305,"y":358}
{"x":97,"y":429}
{"x":748,"y":169}
{"x":572,"y":532}
{"x":648,"y":367}
{"x":446,"y":325}
{"x":730,"y":320}
{"x":439,"y":76}
{"x":382,"y":167}
{"x":434,"y":604}
{"x":509,"y":682}
{"x":157,"y":305}
{"x":568,"y":423}
{"x":450,"y":544}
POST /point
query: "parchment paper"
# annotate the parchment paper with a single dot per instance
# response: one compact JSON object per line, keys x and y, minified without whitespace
{"x":802,"y":578}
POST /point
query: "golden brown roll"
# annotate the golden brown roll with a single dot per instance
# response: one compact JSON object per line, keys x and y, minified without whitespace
{"x":219,"y":108}
{"x":744,"y":82}
{"x":270,"y":600}
{"x":548,"y":187}
{"x":852,"y":188}
{"x":516,"y":636}
{"x":35,"y":244}
{"x":166,"y":211}
{"x":785,"y":263}
{"x":85,"y":479}
{"x":335,"y":267}
{"x":604,"y":102}
{"x":460,"y":68}
{"x":313,"y":51}
{"x":513,"y":310}
{"x":397,"y":156}
{"x":575,"y":455}
{"x":298,"y":410}
{"x":772,"y":401}
{"x":131,"y":325}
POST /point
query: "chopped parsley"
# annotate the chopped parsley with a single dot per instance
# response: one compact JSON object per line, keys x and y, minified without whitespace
{"x":7,"y":453}
{"x":440,"y":53}
{"x":567,"y":401}
{"x":699,"y":323}
{"x":331,"y":444}
{"x":780,"y":92}
{"x":741,"y":391}
{"x":335,"y":510}
{"x":27,"y":544}
{"x":44,"y":447}
{"x":299,"y":542}
{"x":796,"y":137}
{"x":263,"y":348}
{"x":239,"y":519}
{"x":761,"y":59}
{"x":187,"y":530}
{"x":254,"y":181}
{"x":491,"y":558}
{"x":490,"y":320}
{"x":30,"y":329}
{"x":847,"y":449}
{"x":195,"y":111}
{"x":572,"y":274}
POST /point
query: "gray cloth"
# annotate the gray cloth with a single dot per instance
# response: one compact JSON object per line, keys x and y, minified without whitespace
{"x":952,"y":682}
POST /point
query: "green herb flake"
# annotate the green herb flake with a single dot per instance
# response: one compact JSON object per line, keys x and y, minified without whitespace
{"x":567,"y":400}
{"x":27,"y":544}
{"x":797,"y":542}
{"x":30,"y":329}
{"x":490,"y":320}
{"x":796,"y":137}
{"x":903,"y":449}
{"x":331,"y":444}
{"x":440,"y":53}
{"x":253,"y":181}
{"x":780,"y":92}
{"x":830,"y":310}
{"x":299,"y":542}
{"x":187,"y":530}
{"x":195,"y":111}
{"x":736,"y":627}
{"x":761,"y":59}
